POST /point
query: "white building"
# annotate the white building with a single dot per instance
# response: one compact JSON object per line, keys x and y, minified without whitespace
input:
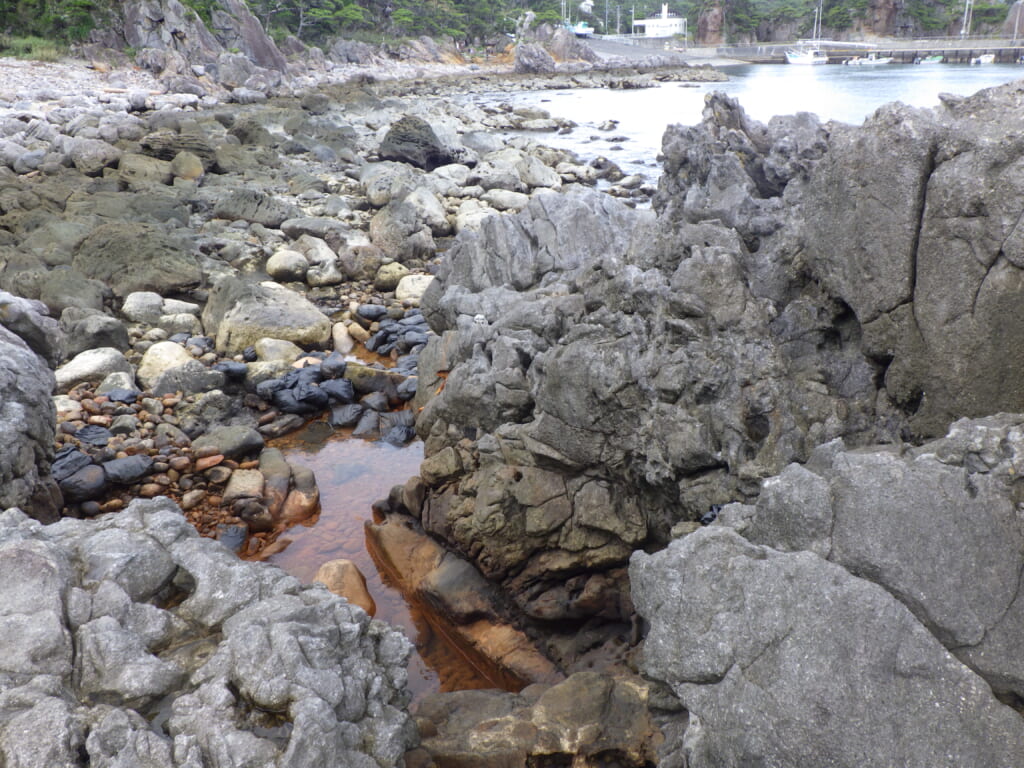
{"x":661,"y":26}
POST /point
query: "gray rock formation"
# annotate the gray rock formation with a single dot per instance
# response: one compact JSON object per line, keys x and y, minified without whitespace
{"x":167,"y":24}
{"x":411,"y":140}
{"x":532,"y":59}
{"x":786,"y":659}
{"x":27,"y":415}
{"x":130,"y":257}
{"x":910,"y":221}
{"x":602,"y":373}
{"x":588,"y":720}
{"x":236,"y":27}
{"x":129,"y":640}
{"x":613,"y":378}
{"x":240,"y":313}
{"x":919,"y":523}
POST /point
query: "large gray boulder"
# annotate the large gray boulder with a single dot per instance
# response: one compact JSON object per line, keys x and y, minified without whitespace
{"x":532,"y":59}
{"x":411,"y":139}
{"x":28,"y":422}
{"x":919,"y":523}
{"x":95,"y":669}
{"x":238,"y":314}
{"x":786,"y":659}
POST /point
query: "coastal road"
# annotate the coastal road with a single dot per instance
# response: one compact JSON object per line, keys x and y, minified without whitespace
{"x":612,"y":49}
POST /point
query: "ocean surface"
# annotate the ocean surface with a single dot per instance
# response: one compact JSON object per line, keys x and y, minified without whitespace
{"x":833,"y":92}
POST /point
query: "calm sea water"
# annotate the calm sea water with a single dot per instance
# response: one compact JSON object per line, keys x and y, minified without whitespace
{"x":833,"y":92}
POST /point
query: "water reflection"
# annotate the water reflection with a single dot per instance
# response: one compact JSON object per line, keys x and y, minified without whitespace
{"x":351,"y":474}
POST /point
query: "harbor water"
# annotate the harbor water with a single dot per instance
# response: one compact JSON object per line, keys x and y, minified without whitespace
{"x":832,"y":92}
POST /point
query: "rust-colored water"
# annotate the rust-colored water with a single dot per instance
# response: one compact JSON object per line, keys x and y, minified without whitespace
{"x":351,"y":474}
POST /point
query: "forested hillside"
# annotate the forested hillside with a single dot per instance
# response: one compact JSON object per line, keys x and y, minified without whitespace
{"x":473,"y":21}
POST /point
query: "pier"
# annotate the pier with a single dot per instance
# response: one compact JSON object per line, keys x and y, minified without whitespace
{"x":953,"y":50}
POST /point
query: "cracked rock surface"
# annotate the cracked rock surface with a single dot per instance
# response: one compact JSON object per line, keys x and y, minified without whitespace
{"x":130,"y":640}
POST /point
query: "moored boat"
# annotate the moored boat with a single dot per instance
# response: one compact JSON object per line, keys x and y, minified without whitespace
{"x":937,"y":58}
{"x":871,"y":60}
{"x":806,"y":56}
{"x":985,"y":58}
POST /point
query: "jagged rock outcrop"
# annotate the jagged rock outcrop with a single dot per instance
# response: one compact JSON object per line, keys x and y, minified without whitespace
{"x":847,"y":595}
{"x":129,"y":640}
{"x":602,"y":373}
{"x":29,"y":339}
{"x":236,"y":27}
{"x":607,"y":376}
{"x":169,"y":25}
{"x":532,"y":59}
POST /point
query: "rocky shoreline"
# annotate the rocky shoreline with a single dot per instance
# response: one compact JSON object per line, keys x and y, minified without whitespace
{"x":199,"y":276}
{"x":699,"y":455}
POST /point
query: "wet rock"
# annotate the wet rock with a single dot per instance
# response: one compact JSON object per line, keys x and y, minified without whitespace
{"x":67,"y":461}
{"x":277,"y":475}
{"x":339,"y":390}
{"x":128,"y":470}
{"x":345,"y":415}
{"x":85,"y":484}
{"x":343,"y":578}
{"x":411,"y":556}
{"x":244,"y":484}
{"x":586,"y":720}
{"x":304,"y":499}
{"x":234,"y":442}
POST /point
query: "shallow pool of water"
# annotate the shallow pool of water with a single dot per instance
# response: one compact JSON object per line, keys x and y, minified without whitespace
{"x":353,"y":473}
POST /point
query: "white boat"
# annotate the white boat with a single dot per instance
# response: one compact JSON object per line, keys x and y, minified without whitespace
{"x":806,"y":56}
{"x":871,"y":60}
{"x":985,"y":58}
{"x":937,"y":58}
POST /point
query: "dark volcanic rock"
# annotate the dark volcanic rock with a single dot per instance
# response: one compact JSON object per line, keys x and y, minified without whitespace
{"x":412,"y":140}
